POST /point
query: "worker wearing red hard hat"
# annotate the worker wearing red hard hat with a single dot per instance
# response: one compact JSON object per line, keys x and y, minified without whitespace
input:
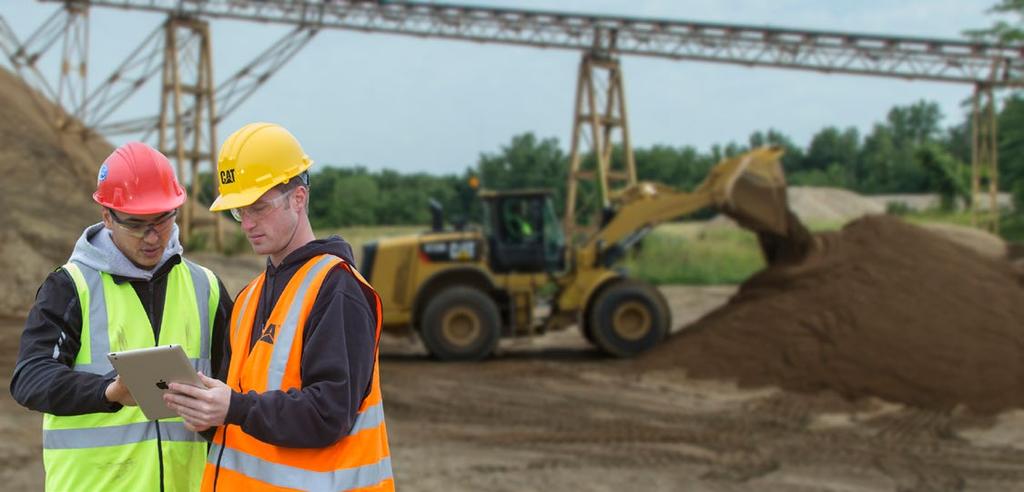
{"x":125,"y":286}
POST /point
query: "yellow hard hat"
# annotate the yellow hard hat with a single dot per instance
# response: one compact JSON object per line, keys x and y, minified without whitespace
{"x":254,"y":159}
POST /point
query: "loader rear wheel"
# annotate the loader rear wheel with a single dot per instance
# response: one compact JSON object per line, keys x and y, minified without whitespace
{"x":628,"y":318}
{"x":461,"y":323}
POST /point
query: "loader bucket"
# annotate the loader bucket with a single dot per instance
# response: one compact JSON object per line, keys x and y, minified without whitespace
{"x":751,"y":189}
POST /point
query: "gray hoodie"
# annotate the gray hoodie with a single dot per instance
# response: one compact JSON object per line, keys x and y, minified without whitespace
{"x":96,"y":249}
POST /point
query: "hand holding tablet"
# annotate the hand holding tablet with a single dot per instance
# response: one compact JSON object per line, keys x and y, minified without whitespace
{"x":147,"y":373}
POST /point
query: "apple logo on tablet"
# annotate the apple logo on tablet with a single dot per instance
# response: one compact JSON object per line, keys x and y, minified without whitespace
{"x":161,"y":384}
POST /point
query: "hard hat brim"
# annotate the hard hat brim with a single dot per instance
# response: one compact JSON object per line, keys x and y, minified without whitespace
{"x":237,"y":200}
{"x":228,"y":201}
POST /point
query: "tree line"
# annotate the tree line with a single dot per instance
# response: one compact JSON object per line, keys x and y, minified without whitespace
{"x":908,"y":152}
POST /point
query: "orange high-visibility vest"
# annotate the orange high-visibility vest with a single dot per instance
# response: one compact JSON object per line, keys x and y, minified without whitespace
{"x":360,"y":460}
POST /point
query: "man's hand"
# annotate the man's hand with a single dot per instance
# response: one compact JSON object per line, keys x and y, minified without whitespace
{"x":117,"y":392}
{"x":201,"y":408}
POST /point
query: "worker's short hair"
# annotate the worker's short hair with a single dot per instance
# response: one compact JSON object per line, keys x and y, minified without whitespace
{"x":301,"y":180}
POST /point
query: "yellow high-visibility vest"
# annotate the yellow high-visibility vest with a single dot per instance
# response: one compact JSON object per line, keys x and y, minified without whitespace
{"x":123,"y":450}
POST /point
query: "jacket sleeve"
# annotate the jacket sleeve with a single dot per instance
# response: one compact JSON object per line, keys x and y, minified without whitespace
{"x":337,"y":365}
{"x":43,"y":379}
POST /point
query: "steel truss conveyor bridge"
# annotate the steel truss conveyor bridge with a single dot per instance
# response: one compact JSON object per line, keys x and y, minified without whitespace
{"x":191,"y":104}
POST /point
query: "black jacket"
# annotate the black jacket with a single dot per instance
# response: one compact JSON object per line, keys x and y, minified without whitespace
{"x":339,"y":341}
{"x":43,"y":379}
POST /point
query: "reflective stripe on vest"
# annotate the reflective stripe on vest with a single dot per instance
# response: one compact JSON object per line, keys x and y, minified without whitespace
{"x":296,"y":478}
{"x":93,"y":437}
{"x":360,"y":459}
{"x":286,"y":333}
{"x":99,"y":340}
{"x":119,"y":450}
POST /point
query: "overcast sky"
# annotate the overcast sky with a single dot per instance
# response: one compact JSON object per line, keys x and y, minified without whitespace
{"x":413,"y":104}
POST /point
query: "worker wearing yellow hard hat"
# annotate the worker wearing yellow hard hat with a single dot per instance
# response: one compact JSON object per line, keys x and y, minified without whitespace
{"x":301,"y":407}
{"x":255,"y":159}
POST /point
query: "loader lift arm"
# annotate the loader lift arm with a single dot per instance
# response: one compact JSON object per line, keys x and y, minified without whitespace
{"x":750,"y":188}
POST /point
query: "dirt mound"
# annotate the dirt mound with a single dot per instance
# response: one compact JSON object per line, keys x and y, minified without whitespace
{"x":44,"y":194}
{"x":879,"y":308}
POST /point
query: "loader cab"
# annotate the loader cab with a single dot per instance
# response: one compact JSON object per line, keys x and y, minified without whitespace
{"x":523,"y":232}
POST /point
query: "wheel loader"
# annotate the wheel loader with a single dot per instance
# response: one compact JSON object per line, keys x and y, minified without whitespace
{"x":462,"y":289}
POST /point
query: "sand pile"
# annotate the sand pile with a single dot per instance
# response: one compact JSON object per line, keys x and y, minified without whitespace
{"x":44,"y":194}
{"x":830,"y":205}
{"x":982,"y":242}
{"x":820,"y":205}
{"x":879,"y":308}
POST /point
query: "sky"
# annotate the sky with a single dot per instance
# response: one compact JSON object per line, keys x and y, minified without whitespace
{"x":413,"y":104}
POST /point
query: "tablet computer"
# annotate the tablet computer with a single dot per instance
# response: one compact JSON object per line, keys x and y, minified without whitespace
{"x":147,"y":372}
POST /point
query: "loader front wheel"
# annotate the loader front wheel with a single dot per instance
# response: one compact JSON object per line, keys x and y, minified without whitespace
{"x":628,"y":318}
{"x":461,"y":323}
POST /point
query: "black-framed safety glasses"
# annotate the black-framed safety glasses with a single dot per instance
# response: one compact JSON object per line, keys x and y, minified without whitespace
{"x":138,"y":229}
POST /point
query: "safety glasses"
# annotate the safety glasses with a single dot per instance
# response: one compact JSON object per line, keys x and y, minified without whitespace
{"x":261,"y":208}
{"x":138,"y":229}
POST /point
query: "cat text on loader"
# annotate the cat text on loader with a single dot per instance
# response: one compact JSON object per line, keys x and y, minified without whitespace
{"x":462,"y":290}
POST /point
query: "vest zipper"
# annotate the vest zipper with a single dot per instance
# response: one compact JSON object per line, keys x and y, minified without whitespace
{"x":160,"y":454}
{"x":150,"y":302}
{"x":223,"y":444}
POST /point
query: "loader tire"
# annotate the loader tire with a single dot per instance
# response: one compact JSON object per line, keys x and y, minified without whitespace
{"x":628,"y":318}
{"x":461,"y":323}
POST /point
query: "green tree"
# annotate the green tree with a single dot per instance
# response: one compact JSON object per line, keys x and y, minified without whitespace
{"x":946,"y":174}
{"x":683,"y":168}
{"x":1003,"y":31}
{"x":879,"y":156}
{"x":833,"y":155}
{"x":354,"y":200}
{"x":1011,"y":141}
{"x":887,"y":157}
{"x":917,"y":123}
{"x":526,"y":162}
{"x":321,"y":196}
{"x":403,"y":198}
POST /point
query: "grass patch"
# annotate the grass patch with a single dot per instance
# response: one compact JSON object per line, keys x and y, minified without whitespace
{"x":363,"y":234}
{"x":690,"y":253}
{"x":697,"y":253}
{"x":357,"y":236}
{"x":935,"y":215}
{"x":824,"y":225}
{"x":1012,"y":228}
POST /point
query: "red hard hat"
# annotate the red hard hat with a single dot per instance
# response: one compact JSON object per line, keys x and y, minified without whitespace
{"x":137,"y":179}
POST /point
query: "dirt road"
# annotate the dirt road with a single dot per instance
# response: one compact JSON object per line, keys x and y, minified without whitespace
{"x":554,"y":414}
